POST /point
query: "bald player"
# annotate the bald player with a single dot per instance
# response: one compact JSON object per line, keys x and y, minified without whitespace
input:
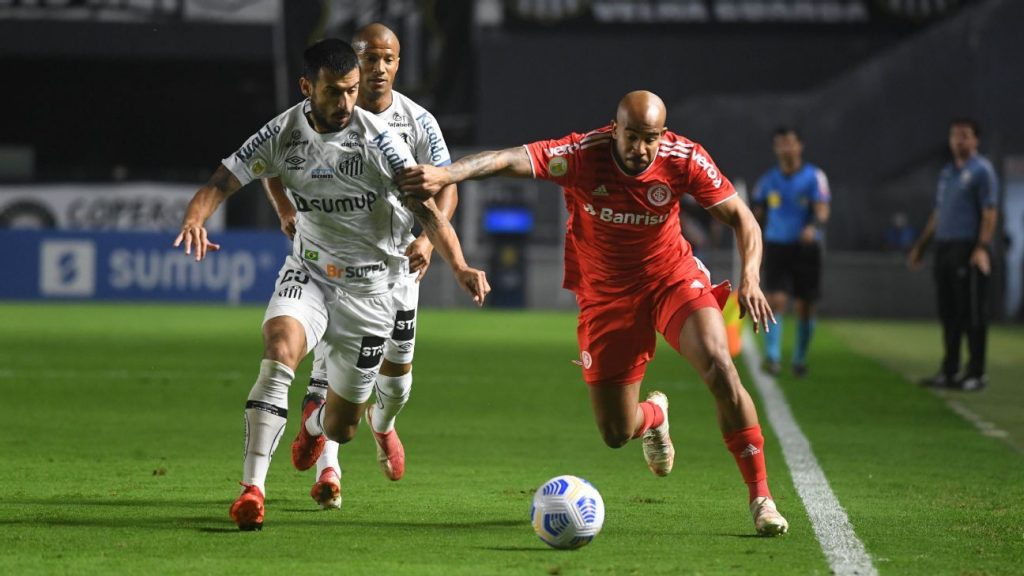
{"x":635,"y":275}
{"x":379,"y":53}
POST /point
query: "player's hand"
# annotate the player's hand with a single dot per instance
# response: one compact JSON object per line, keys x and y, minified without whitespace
{"x":194,"y":236}
{"x":288,"y":219}
{"x":475,"y":282}
{"x":423,"y":180}
{"x":419,"y":256}
{"x":752,"y":301}
{"x":981,"y":261}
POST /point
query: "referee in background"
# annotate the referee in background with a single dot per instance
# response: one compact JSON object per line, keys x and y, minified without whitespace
{"x":962,"y":224}
{"x":791,"y":201}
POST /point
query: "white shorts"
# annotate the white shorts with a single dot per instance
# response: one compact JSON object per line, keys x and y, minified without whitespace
{"x":354,"y":343}
{"x":406,"y":297}
{"x":401,"y":344}
{"x":301,"y":297}
{"x":348,"y":331}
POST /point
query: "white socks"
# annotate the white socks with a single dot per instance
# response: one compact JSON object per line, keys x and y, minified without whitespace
{"x":392,"y":393}
{"x":315,"y":423}
{"x":329,"y":458}
{"x":318,"y":387}
{"x":266,"y":413}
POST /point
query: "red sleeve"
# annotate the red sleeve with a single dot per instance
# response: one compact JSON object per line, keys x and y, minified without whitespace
{"x":706,"y":182}
{"x":555,"y":160}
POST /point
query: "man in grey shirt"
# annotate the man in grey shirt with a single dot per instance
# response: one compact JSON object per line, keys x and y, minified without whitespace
{"x":962,"y":224}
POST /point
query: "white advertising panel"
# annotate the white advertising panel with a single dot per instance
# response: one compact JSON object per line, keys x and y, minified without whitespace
{"x":148,"y":206}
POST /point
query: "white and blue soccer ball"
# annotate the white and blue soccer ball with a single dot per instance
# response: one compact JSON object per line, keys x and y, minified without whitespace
{"x":567,"y":512}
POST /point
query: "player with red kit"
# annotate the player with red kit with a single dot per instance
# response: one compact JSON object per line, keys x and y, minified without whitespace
{"x":634,"y":274}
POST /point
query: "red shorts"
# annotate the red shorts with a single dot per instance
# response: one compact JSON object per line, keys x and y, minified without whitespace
{"x":617,"y":335}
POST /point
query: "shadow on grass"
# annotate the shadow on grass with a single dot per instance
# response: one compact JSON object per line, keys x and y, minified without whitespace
{"x":435,"y":525}
{"x":74,"y":512}
{"x":521,"y":549}
{"x":72,"y":501}
{"x":133,"y":522}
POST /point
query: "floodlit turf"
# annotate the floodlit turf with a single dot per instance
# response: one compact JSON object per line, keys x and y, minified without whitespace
{"x":121,"y":439}
{"x":914,"y":349}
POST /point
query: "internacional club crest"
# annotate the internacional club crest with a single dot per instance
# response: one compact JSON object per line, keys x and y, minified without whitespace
{"x":659,"y":194}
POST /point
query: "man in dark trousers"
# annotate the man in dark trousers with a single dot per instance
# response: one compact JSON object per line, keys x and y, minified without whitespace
{"x":963,"y":224}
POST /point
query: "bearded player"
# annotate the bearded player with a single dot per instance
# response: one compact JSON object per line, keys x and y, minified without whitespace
{"x":634,"y":275}
{"x":379,"y":53}
{"x":346,"y":256}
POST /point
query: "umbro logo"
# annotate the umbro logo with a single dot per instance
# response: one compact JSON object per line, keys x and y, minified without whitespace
{"x":295,"y":162}
{"x":600,"y":191}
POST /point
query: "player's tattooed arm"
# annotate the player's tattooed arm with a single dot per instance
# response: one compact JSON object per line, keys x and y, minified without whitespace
{"x":437,"y":229}
{"x":206,"y":200}
{"x":425,"y":180}
{"x":443,"y":237}
{"x":217,"y":189}
{"x":420,"y":250}
{"x":514,"y":162}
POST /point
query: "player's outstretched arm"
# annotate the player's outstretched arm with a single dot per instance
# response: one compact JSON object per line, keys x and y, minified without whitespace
{"x":443,"y":237}
{"x":282,"y":205}
{"x":425,"y":180}
{"x":735,"y":213}
{"x":420,"y":249}
{"x":193,"y":233}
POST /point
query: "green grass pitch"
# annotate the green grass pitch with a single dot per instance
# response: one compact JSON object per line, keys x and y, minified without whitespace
{"x":121,"y":445}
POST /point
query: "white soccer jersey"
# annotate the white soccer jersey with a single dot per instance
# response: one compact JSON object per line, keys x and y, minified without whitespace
{"x":352,"y":230}
{"x":418,"y":129}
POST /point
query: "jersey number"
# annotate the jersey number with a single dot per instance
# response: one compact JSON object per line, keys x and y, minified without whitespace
{"x":297,"y":275}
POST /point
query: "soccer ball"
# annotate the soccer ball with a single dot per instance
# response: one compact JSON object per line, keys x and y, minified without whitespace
{"x":567,"y":512}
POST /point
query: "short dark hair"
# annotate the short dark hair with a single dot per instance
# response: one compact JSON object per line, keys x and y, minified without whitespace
{"x":967,"y":121}
{"x":330,"y":54}
{"x":785,"y":129}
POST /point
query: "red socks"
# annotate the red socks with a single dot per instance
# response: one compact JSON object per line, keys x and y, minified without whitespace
{"x":747,"y":447}
{"x":653,"y":417}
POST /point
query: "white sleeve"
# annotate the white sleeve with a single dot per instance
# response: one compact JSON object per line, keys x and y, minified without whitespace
{"x":256,"y":158}
{"x":430,"y":145}
{"x":386,"y":149}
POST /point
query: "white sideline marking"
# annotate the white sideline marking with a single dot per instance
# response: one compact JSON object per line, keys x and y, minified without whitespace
{"x":843,"y":550}
{"x":984,"y":426}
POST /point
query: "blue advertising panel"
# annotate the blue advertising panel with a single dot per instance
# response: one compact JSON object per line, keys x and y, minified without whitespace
{"x":61,"y":265}
{"x":508,"y":220}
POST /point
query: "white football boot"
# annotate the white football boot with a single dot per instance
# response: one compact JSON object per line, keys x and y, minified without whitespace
{"x":658,"y":449}
{"x":767,"y":519}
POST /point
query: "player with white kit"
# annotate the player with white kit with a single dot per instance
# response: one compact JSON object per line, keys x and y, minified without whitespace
{"x":340,"y":163}
{"x":379,"y":53}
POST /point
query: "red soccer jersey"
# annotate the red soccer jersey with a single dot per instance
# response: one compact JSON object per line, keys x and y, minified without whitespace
{"x":623,"y":232}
